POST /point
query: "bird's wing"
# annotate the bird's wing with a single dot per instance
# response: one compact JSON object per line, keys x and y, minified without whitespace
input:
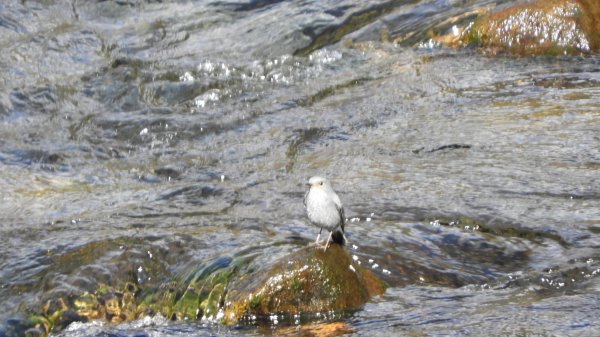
{"x":340,"y":210}
{"x":306,"y":195}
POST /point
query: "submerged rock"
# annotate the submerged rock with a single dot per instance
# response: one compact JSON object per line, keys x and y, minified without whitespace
{"x":543,"y":27}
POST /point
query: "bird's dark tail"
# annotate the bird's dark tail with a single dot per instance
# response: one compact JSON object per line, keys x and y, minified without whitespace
{"x":338,"y":237}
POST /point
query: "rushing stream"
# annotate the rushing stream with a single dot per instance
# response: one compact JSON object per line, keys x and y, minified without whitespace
{"x":144,"y":136}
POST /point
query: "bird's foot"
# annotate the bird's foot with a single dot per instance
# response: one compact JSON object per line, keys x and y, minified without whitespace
{"x":319,"y":244}
{"x":318,"y":241}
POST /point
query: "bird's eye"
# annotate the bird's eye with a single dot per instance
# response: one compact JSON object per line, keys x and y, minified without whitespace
{"x":321,"y":183}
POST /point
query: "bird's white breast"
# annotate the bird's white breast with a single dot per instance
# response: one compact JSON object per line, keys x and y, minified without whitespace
{"x":322,"y":210}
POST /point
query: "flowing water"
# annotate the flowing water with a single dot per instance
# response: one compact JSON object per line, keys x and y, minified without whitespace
{"x":139,"y":137}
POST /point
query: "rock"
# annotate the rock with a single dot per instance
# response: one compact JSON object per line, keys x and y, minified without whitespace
{"x":310,"y":281}
{"x":324,"y":329}
{"x":227,"y":290}
{"x":543,"y":27}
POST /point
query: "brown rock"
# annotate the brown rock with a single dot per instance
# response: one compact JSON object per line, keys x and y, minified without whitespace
{"x":544,"y":27}
{"x":308,"y":281}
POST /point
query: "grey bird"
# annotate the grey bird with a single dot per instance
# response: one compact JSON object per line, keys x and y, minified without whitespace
{"x":325,"y":210}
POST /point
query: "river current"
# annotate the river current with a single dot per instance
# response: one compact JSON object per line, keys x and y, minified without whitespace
{"x":144,"y":136}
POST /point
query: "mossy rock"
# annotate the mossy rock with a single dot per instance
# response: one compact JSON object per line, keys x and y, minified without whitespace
{"x":227,"y":290}
{"x":309,"y":281}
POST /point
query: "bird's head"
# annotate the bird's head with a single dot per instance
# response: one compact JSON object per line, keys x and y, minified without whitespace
{"x":318,"y":183}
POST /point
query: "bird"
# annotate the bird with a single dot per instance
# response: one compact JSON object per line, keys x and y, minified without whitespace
{"x":325,"y":210}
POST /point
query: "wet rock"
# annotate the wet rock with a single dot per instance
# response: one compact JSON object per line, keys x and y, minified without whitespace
{"x":310,"y":281}
{"x":307,"y":282}
{"x":228,"y":290}
{"x":544,"y":27}
{"x":197,"y":294}
{"x":323,"y":329}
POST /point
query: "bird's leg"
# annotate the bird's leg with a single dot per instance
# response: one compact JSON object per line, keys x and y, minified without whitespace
{"x":328,"y":241}
{"x":318,"y":237}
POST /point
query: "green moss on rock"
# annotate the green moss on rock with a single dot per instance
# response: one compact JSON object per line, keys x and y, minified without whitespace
{"x":309,"y":281}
